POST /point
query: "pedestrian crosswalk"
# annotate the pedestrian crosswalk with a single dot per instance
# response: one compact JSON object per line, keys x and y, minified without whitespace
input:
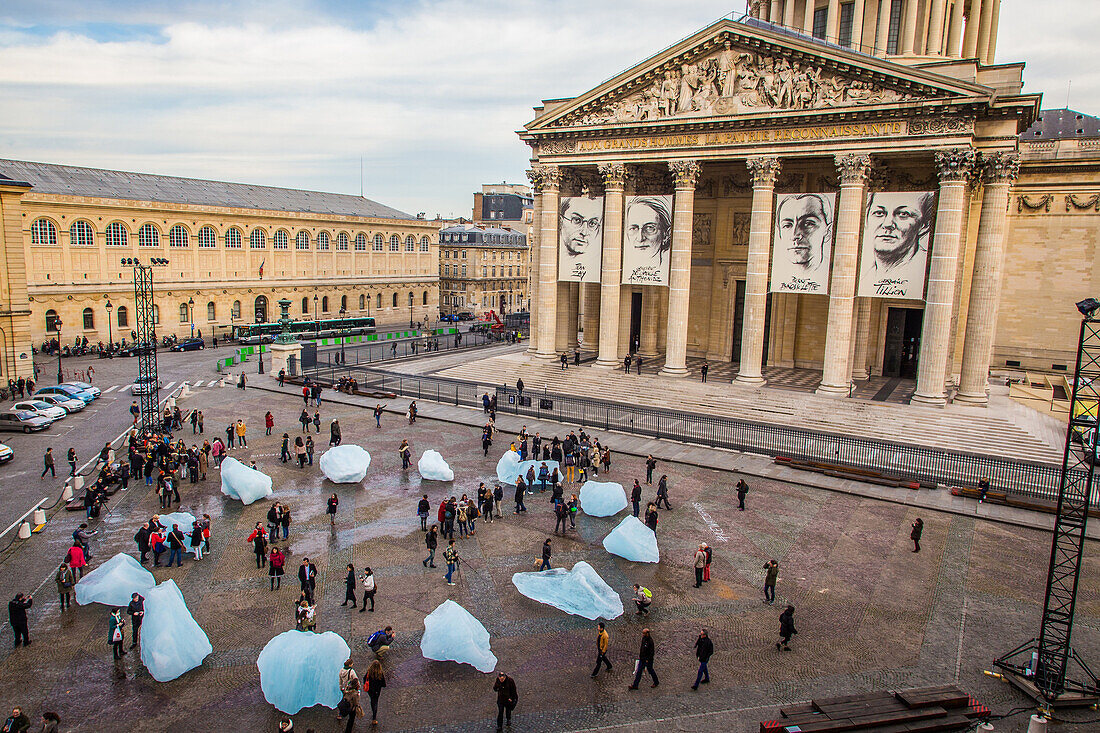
{"x":120,"y":389}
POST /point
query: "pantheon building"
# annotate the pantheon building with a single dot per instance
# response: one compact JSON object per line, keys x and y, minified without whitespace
{"x":852,"y":187}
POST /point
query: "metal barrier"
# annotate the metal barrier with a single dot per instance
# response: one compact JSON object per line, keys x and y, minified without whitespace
{"x":377,"y":352}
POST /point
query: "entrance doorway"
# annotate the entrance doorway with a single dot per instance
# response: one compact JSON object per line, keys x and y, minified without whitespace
{"x":902,"y":348}
{"x":635,"y":321}
{"x":738,"y":319}
{"x":261,"y":309}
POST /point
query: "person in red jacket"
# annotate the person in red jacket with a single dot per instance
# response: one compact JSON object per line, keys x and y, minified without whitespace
{"x":442,"y":511}
{"x":75,"y":558}
{"x":269,"y":422}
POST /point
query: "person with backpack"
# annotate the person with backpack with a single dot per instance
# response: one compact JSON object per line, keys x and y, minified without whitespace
{"x":451,"y":556}
{"x":704,"y":649}
{"x":643,"y":598}
{"x":379,"y":642}
{"x":176,"y":543}
{"x":423,"y":507}
{"x":706,"y":567}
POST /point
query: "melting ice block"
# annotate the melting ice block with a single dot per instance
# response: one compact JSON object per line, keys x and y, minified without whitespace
{"x":452,"y":634}
{"x":510,"y":467}
{"x":183,"y":520}
{"x":580,"y":591}
{"x":244,"y":483}
{"x":171,"y":641}
{"x":113,"y":582}
{"x":345,"y":464}
{"x":300,"y":669}
{"x":434,"y":468}
{"x":633,"y":540}
{"x":602,"y":499}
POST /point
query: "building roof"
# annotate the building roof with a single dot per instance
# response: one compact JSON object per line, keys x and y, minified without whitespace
{"x":69,"y":180}
{"x":478,"y":229}
{"x":5,"y":181}
{"x":1060,"y":124}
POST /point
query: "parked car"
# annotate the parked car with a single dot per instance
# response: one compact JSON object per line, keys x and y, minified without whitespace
{"x":44,"y":409}
{"x":449,"y":318}
{"x":144,"y":385}
{"x":23,"y":421}
{"x":6,"y":453}
{"x":135,"y":349}
{"x":191,"y":344}
{"x":68,"y":391}
{"x":70,"y":404}
{"x":465,"y":316}
{"x":86,"y":387}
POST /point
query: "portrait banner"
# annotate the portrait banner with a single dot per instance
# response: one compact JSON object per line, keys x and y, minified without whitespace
{"x":647,"y":240}
{"x":897,"y":234}
{"x":802,"y":246}
{"x":580,"y":239}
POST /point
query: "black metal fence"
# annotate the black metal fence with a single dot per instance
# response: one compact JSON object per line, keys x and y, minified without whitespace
{"x":909,"y":462}
{"x":379,"y":351}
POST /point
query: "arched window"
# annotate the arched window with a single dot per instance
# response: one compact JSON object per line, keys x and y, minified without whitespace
{"x":395,"y":243}
{"x":395,"y":300}
{"x":410,"y":243}
{"x":261,"y":309}
{"x":343,"y":302}
{"x":51,"y":320}
{"x":410,"y":299}
{"x":324,"y":304}
{"x":208,"y":238}
{"x":183,"y":312}
{"x":322,"y":240}
{"x":123,"y":317}
{"x":211,"y":311}
{"x":425,"y":243}
{"x":148,"y":236}
{"x":425,"y":298}
{"x":279,"y":240}
{"x":89,"y":319}
{"x":301,"y":241}
{"x":257,"y":239}
{"x":378,"y":301}
{"x":342,"y":242}
{"x":235,"y":312}
{"x":377,"y":243}
{"x":233,"y":238}
{"x":156,"y":314}
{"x":177,"y":236}
{"x":43,"y":232}
{"x":305,"y":305}
{"x":362,"y":302}
{"x":116,"y":235}
{"x":81,"y":235}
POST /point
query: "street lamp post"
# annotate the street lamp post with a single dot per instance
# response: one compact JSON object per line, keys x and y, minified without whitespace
{"x":57,"y":324}
{"x":343,"y":336}
{"x":191,"y":314}
{"x":110,"y":336}
{"x":317,"y":317}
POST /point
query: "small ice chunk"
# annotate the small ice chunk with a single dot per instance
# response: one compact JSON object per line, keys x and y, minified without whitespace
{"x":633,"y":540}
{"x":580,"y":591}
{"x":510,"y":467}
{"x":452,"y":634}
{"x":171,"y":641}
{"x":300,"y":669}
{"x":345,"y":464}
{"x":242,"y":482}
{"x":434,"y":468}
{"x":113,"y":582}
{"x":602,"y":499}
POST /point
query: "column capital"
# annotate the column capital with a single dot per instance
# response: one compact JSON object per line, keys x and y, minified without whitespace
{"x":544,"y":177}
{"x":955,"y":165}
{"x":764,"y":170}
{"x":853,"y":168}
{"x":614,"y":174}
{"x":685,"y":172}
{"x":1000,"y":167}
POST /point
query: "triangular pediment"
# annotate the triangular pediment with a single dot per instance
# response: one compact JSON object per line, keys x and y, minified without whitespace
{"x":732,"y":69}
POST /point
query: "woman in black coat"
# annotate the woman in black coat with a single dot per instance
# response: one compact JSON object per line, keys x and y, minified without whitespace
{"x":918,"y":529}
{"x":786,"y":629}
{"x":333,"y":502}
{"x":349,"y":581}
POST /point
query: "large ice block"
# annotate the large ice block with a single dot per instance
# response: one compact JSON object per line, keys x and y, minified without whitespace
{"x":452,"y":634}
{"x":300,"y":669}
{"x":242,"y":482}
{"x":602,"y":498}
{"x":113,"y":582}
{"x":633,"y":540}
{"x":345,"y":464}
{"x":183,"y":520}
{"x":510,"y":467}
{"x":434,"y":468}
{"x":580,"y":591}
{"x":171,"y":641}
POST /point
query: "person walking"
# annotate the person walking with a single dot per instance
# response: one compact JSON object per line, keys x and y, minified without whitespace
{"x":347,"y":674}
{"x":349,"y":706}
{"x":650,"y":465}
{"x":142,"y":540}
{"x":307,"y":578}
{"x":369,"y":589}
{"x":917,"y":531}
{"x":505,"y":688}
{"x":349,"y":582}
{"x":451,"y":556}
{"x":71,"y":458}
{"x":431,"y":540}
{"x":376,"y":680}
{"x":700,"y":563}
{"x":742,"y":491}
{"x":786,"y":629}
{"x":704,"y":648}
{"x":136,"y":609}
{"x":603,"y":640}
{"x":334,"y":432}
{"x":521,"y":489}
{"x":411,"y":414}
{"x":284,"y":449}
{"x":317,"y":418}
{"x":560,"y":513}
{"x":546,"y":554}
{"x":772,"y":569}
{"x":333,"y":502}
{"x":115,"y":635}
{"x":276,"y":567}
{"x":65,"y":582}
{"x":645,"y":661}
{"x":269,"y":422}
{"x":300,"y":451}
{"x":662,"y":492}
{"x":17,"y":617}
{"x":47,"y":464}
{"x":636,"y":497}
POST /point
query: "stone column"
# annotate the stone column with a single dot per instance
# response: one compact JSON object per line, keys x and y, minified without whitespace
{"x":591,"y":318}
{"x":999,"y":170}
{"x":651,"y":308}
{"x":832,"y":22}
{"x":573,"y":302}
{"x":808,"y":17}
{"x":533,"y":264}
{"x":954,"y":168}
{"x":973,"y":21}
{"x":775,"y":12}
{"x":984,"y":28}
{"x":935,"y":27}
{"x":994,"y":26}
{"x":764,"y":172}
{"x":852,"y":170}
{"x":882,"y":30}
{"x":788,"y":13}
{"x":549,"y":177}
{"x":909,"y":29}
{"x":685,"y":172}
{"x":614,"y":178}
{"x":860,"y":357}
{"x":857,"y":25}
{"x":954,"y":34}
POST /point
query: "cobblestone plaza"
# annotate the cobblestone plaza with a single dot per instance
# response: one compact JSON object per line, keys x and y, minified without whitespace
{"x":871,"y":614}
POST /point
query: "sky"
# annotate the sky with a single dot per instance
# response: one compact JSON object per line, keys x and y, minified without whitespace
{"x":423,"y":96}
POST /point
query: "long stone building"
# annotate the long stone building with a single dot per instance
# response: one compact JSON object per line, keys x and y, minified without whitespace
{"x":850,"y":187}
{"x":233,"y":250}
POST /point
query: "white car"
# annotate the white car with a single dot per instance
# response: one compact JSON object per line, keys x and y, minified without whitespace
{"x":84,"y":386}
{"x":144,"y":386}
{"x":6,"y":453}
{"x":60,"y":400}
{"x":41,"y":408}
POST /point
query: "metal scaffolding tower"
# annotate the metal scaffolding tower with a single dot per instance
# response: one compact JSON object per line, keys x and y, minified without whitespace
{"x":146,"y":341}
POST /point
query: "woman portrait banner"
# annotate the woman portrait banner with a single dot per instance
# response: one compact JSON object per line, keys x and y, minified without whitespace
{"x":647,"y":240}
{"x":803,"y":244}
{"x":897,"y":234}
{"x":580,"y":239}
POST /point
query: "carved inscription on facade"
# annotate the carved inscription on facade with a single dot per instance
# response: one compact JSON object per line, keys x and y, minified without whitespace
{"x":746,"y":137}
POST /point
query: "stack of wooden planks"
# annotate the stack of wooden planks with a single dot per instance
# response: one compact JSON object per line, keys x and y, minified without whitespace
{"x":915,"y":710}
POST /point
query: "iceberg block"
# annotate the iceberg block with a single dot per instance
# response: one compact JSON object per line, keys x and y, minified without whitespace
{"x":602,"y":499}
{"x":300,"y":669}
{"x":633,"y":540}
{"x":171,"y":641}
{"x":183,"y":520}
{"x":432,"y":467}
{"x":113,"y":582}
{"x":452,"y":634}
{"x":244,"y":483}
{"x":580,"y":591}
{"x":345,"y":464}
{"x":510,"y":467}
